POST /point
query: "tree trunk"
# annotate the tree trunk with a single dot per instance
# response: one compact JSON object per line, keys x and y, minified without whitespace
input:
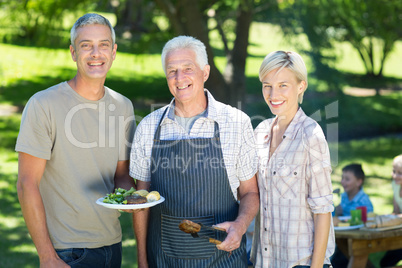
{"x":363,"y":53}
{"x":196,"y":26}
{"x":130,"y":17}
{"x":171,"y":13}
{"x":387,"y":48}
{"x":235,"y":72}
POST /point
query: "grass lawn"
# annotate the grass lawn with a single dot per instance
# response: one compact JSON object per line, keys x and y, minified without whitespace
{"x":26,"y":70}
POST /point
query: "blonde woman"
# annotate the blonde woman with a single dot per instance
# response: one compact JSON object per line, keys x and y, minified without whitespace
{"x":294,"y":227}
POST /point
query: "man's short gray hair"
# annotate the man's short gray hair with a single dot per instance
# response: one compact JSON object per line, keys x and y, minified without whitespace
{"x":186,"y":42}
{"x":90,"y":19}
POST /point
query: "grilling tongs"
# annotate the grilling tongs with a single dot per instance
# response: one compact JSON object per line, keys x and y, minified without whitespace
{"x":193,"y":228}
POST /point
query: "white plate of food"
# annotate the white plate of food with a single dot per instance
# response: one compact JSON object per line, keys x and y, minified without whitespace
{"x":129,"y":206}
{"x":344,"y":228}
{"x":345,"y":220}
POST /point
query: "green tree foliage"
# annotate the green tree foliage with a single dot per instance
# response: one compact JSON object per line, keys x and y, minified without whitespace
{"x":140,"y":26}
{"x":372,"y":27}
{"x":38,"y":21}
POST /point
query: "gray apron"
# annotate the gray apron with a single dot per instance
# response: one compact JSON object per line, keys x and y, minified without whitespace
{"x":191,"y":175}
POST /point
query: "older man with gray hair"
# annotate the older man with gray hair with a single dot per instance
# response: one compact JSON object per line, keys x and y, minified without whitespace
{"x":200,"y":155}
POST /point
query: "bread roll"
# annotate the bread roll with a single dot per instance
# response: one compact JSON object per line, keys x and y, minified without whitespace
{"x":385,"y":221}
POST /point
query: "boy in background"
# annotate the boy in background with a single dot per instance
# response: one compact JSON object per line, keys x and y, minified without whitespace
{"x":353,"y":196}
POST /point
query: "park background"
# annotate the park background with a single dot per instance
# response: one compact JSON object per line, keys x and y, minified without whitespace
{"x":353,"y":52}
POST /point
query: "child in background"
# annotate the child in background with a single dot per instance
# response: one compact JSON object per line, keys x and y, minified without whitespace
{"x":392,"y":257}
{"x":396,"y":183}
{"x":353,"y":196}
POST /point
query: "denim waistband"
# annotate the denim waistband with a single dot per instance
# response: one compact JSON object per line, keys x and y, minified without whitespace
{"x":306,"y":266}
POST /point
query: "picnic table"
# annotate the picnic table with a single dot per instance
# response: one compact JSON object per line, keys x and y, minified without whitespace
{"x":358,"y":244}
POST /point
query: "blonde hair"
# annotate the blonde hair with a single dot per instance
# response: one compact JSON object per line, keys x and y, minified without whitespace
{"x":290,"y":60}
{"x":397,"y":161}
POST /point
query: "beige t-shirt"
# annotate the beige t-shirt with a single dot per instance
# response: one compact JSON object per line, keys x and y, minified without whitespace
{"x":82,"y":141}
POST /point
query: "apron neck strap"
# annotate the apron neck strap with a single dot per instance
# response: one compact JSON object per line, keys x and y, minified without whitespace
{"x":158,"y":130}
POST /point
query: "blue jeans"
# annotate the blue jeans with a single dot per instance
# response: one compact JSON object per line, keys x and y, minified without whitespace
{"x":107,"y":256}
{"x":305,"y":266}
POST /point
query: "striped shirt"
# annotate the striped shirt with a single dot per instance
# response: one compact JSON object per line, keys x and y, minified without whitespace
{"x":294,"y":184}
{"x":236,"y":135}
